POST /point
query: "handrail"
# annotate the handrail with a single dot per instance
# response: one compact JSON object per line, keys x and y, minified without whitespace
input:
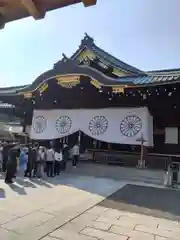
{"x":133,"y":153}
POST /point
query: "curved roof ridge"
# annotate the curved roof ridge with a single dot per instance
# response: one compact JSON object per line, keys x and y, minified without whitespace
{"x":14,"y":87}
{"x":117,"y":62}
{"x":164,"y":71}
{"x":88,"y":42}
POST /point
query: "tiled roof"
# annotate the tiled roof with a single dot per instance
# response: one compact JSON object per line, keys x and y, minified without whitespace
{"x":12,"y":90}
{"x":88,"y":42}
{"x":165,"y":79}
{"x":144,"y":80}
{"x":132,"y":80}
{"x":174,"y":71}
{"x":114,"y":61}
{"x":71,"y":66}
{"x":6,"y":105}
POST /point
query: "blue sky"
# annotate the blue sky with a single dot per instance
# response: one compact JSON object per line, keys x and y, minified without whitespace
{"x":143,"y":33}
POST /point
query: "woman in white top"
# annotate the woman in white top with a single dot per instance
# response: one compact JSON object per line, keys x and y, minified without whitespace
{"x":75,"y":154}
{"x":42,"y":157}
{"x":58,"y":160}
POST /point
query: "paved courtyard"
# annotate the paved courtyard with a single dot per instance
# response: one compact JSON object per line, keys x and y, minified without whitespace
{"x":74,"y":206}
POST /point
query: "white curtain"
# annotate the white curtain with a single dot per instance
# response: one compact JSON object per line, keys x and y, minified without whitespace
{"x":114,"y":125}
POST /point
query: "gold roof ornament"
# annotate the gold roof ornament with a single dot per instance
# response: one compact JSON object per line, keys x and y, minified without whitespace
{"x":43,"y":88}
{"x":95,"y":83}
{"x":119,"y":73}
{"x":68,"y":81}
{"x":118,"y":89}
{"x":27,"y":95}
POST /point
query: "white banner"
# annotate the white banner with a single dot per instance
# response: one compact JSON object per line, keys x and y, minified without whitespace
{"x":113,"y":125}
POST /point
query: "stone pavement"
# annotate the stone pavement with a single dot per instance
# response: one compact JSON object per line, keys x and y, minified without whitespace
{"x":118,"y":172}
{"x":110,"y":224}
{"x":31,"y":210}
{"x":69,"y":208}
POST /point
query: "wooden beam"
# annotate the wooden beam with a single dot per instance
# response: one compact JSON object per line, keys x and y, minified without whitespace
{"x":88,"y":3}
{"x":32,"y":9}
{"x":3,"y":9}
{"x":2,"y":21}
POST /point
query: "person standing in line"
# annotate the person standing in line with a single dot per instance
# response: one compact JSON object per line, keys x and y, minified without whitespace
{"x":23,"y":158}
{"x":11,"y":166}
{"x":58,"y":161}
{"x":65,"y":153}
{"x":32,"y":155}
{"x":42,"y":161}
{"x":1,"y":158}
{"x":75,"y":155}
{"x":5,"y":153}
{"x":50,"y":162}
{"x":36,"y":162}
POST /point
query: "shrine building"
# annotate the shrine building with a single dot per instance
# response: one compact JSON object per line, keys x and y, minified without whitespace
{"x":116,"y":107}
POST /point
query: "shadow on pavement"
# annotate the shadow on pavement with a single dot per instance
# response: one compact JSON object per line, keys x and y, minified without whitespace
{"x":2,"y":193}
{"x":42,"y":182}
{"x":19,"y":185}
{"x":156,"y":202}
{"x":17,"y":189}
{"x":24,"y":183}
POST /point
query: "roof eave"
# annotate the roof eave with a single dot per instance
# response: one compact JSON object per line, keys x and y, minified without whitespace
{"x":88,"y":43}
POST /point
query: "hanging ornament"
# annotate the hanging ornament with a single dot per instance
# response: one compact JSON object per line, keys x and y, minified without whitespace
{"x":144,"y":96}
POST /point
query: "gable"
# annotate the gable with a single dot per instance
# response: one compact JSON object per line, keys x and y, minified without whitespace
{"x":86,"y":54}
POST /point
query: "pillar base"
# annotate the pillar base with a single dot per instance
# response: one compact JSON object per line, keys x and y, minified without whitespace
{"x":141,"y":164}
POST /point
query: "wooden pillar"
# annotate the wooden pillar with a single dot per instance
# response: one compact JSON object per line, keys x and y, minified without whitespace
{"x":109,"y":146}
{"x":2,"y":21}
{"x":143,"y":155}
{"x":79,"y":137}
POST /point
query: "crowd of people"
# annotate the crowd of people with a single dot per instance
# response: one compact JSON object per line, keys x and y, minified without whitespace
{"x":33,"y":160}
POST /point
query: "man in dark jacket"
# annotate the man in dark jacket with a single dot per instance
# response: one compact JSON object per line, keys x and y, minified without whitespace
{"x":11,"y":165}
{"x":65,"y":153}
{"x":5,"y":151}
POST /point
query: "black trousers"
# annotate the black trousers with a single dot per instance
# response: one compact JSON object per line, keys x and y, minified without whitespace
{"x":28,"y":172}
{"x":10,"y":172}
{"x":63,"y":165}
{"x":5,"y":159}
{"x":35,"y":168}
{"x":57,"y":168}
{"x":50,"y":168}
{"x":75,"y":160}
